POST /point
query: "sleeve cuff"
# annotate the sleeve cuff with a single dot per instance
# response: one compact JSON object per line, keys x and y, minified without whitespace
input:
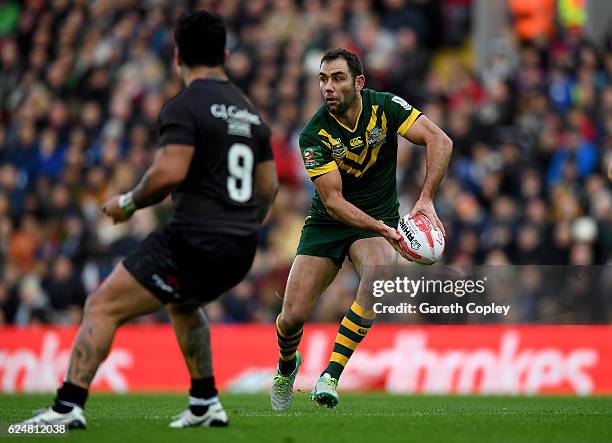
{"x":176,"y":140}
{"x":315,"y":172}
{"x":408,"y":122}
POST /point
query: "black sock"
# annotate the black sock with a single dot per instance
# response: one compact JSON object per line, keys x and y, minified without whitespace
{"x":287,"y":366}
{"x":287,"y":345}
{"x":202,"y":394}
{"x":68,"y":396}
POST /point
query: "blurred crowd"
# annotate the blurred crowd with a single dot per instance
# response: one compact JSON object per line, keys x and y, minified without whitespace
{"x":82,"y":82}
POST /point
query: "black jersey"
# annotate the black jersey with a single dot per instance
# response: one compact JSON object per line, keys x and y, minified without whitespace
{"x":230,"y":138}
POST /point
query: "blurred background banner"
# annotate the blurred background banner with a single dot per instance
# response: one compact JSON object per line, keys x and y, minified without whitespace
{"x":572,"y":360}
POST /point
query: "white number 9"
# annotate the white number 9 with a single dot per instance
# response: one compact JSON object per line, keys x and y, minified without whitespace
{"x":240,"y":168}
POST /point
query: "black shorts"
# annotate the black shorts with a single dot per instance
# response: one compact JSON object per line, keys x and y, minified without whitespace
{"x":175,"y":271}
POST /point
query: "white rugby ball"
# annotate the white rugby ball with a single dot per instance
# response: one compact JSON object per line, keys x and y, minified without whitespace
{"x":421,"y":241}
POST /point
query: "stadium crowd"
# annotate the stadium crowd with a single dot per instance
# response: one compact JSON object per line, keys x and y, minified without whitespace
{"x":82,"y":82}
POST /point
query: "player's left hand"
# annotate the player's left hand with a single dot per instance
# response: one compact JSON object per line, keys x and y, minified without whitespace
{"x":425,"y":206}
{"x":111,"y":209}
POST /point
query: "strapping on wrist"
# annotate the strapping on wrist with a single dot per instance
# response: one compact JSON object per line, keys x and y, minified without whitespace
{"x":126,"y":203}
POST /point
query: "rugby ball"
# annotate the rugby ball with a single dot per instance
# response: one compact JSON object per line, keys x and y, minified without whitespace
{"x":421,"y":242}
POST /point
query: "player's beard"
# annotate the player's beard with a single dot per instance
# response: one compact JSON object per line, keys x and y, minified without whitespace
{"x":341,"y":106}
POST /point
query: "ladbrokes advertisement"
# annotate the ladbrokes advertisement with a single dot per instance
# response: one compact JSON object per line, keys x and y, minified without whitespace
{"x":574,"y":360}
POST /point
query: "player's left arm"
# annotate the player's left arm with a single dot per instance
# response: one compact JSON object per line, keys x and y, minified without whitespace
{"x":169,"y":169}
{"x":265,"y":187}
{"x":439,"y":147}
{"x":265,"y":177}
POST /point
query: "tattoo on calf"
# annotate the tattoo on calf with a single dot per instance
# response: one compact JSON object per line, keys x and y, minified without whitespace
{"x":197,"y":345}
{"x":86,"y":357}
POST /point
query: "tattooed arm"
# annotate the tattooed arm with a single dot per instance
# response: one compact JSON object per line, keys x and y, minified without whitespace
{"x":168,"y":170}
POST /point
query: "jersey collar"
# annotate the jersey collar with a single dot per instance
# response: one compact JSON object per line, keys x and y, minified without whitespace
{"x":356,"y":121}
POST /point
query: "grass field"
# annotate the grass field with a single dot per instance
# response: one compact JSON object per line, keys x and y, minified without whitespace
{"x":358,"y":418}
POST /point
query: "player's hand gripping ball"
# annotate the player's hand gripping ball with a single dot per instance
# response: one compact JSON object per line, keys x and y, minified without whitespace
{"x":421,"y":241}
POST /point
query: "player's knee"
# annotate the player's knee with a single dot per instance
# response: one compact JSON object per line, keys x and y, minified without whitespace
{"x":99,"y":306}
{"x":381,"y":258}
{"x":93,"y":306}
{"x":189,"y":308}
{"x":365,"y":299}
{"x":292,"y":321}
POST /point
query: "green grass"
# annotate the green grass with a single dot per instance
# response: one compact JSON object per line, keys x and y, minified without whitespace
{"x":368,"y":418}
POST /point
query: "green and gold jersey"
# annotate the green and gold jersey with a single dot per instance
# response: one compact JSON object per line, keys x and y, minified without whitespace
{"x":366,"y":155}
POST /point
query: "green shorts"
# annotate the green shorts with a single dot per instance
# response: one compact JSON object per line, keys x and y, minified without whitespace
{"x":323,"y":238}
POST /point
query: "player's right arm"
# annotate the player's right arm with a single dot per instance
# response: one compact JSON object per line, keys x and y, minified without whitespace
{"x":170,"y":166}
{"x":329,"y":188}
{"x":323,"y":170}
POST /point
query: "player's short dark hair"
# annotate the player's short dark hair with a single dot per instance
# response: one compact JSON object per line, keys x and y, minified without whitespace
{"x":351,"y":59}
{"x":200,"y":37}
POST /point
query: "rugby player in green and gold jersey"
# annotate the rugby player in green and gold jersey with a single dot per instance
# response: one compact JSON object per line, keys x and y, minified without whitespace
{"x":349,"y":148}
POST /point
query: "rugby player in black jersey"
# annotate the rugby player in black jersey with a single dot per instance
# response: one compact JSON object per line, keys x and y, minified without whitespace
{"x":215,"y":159}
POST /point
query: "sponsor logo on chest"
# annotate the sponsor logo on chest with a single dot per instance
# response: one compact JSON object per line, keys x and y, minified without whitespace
{"x":376,"y":137}
{"x":338,"y":148}
{"x":356,"y":142}
{"x":239,"y":120}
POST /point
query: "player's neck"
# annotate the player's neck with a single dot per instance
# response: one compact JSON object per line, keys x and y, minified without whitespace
{"x":351,"y":115}
{"x":203,"y":72}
